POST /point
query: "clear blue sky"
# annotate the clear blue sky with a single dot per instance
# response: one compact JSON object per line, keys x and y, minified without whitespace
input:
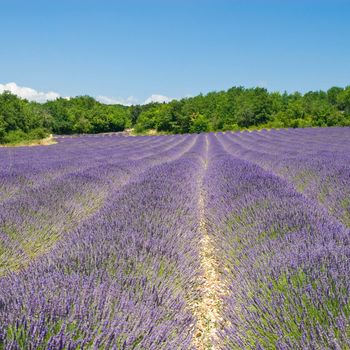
{"x":173,"y":47}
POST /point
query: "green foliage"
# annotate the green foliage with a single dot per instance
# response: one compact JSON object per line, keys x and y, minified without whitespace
{"x":21,"y":120}
{"x":235,"y":109}
{"x":84,"y":114}
{"x":239,"y":108}
{"x":15,"y":136}
{"x":146,"y":120}
{"x":199,"y":124}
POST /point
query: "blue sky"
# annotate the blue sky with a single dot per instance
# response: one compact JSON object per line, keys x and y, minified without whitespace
{"x":129,"y":50}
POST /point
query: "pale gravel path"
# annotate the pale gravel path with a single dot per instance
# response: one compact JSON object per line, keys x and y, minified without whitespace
{"x":208,"y":308}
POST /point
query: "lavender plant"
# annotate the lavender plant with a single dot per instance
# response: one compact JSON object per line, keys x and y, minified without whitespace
{"x":284,"y":260}
{"x":122,"y":279}
{"x":101,"y":241}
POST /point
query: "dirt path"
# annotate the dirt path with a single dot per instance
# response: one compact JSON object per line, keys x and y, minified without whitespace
{"x":212,"y":289}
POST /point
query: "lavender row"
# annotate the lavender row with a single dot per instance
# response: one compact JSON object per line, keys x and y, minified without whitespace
{"x":316,"y":161}
{"x":284,"y":260}
{"x":32,"y":222}
{"x":24,"y":168}
{"x":124,"y":279}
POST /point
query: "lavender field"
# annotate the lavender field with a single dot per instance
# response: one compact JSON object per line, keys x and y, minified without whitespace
{"x":209,"y":241}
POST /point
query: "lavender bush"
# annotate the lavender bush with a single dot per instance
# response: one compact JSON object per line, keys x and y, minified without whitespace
{"x":285,"y":258}
{"x":100,"y":241}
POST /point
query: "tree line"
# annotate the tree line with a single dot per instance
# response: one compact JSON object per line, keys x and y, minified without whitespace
{"x":235,"y":109}
{"x":23,"y":120}
{"x":240,"y":108}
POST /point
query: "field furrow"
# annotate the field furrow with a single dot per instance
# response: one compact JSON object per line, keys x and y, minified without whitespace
{"x":208,"y":307}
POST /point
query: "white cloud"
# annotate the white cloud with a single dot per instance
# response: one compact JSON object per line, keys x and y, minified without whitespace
{"x":38,"y":96}
{"x":158,"y":98}
{"x":29,"y":93}
{"x":131,"y":100}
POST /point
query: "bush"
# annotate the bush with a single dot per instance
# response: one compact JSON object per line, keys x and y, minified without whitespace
{"x":230,"y":127}
{"x":139,"y":128}
{"x":200,"y":124}
{"x":16,"y":136}
{"x":38,"y":133}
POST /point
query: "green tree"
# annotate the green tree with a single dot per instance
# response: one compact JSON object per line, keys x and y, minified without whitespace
{"x":199,"y":124}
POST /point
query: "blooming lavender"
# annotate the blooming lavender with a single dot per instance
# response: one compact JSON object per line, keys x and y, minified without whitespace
{"x":101,"y":241}
{"x":72,"y":189}
{"x":285,"y":258}
{"x":315,"y":161}
{"x":122,"y":278}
